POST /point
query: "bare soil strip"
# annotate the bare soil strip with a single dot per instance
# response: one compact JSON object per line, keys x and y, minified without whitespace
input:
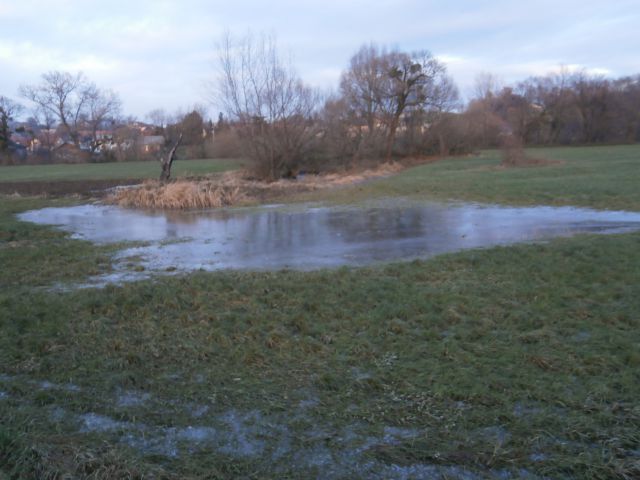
{"x":64,"y":187}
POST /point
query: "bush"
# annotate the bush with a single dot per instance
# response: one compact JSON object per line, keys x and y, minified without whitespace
{"x":224,"y":144}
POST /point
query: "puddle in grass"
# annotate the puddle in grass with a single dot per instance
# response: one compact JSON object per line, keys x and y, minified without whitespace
{"x":306,"y":238}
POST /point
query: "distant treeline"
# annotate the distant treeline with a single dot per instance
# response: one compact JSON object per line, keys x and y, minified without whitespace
{"x":558,"y":109}
{"x":392,"y":103}
{"x":389,"y":104}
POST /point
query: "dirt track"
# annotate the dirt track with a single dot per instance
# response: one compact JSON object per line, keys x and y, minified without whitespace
{"x":64,"y":187}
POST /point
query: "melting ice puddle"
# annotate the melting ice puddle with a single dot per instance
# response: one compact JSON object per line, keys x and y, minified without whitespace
{"x":310,"y":238}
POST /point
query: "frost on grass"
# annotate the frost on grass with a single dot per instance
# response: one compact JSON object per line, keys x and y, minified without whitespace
{"x":495,"y":435}
{"x":171,"y":441}
{"x":337,"y":453}
{"x":581,"y":336}
{"x":245,"y":431}
{"x":132,"y":399}
{"x":525,"y":409}
{"x":40,"y":384}
{"x":69,"y":387}
{"x":197,"y":411}
{"x":92,"y":422}
{"x":276,"y":441}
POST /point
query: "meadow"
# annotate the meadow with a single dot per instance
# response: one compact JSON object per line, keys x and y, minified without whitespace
{"x":603,"y":177}
{"x":510,"y":362}
{"x":112,"y":170}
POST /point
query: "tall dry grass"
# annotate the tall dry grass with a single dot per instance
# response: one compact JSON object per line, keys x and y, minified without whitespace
{"x":233,"y":188}
{"x":178,"y":195}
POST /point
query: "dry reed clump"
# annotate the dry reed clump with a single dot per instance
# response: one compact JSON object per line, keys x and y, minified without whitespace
{"x":512,"y":151}
{"x":178,"y":195}
{"x":347,"y":178}
{"x":232,"y":188}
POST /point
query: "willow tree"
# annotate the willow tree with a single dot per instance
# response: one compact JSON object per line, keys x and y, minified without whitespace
{"x":383,"y":85}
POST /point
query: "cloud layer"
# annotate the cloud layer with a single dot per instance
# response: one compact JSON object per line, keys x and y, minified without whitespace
{"x":162,"y":53}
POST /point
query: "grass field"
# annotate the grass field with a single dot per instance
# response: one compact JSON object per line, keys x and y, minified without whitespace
{"x":513,"y":362}
{"x":108,"y":171}
{"x":600,"y":177}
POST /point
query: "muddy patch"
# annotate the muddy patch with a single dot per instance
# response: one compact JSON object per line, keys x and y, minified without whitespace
{"x":87,"y":188}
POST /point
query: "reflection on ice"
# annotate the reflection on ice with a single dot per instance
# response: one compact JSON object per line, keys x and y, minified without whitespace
{"x":306,"y":238}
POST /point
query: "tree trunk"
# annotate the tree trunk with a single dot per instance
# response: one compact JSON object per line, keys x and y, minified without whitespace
{"x":395,"y":122}
{"x":166,"y":163}
{"x":4,"y":131}
{"x":390,"y":139}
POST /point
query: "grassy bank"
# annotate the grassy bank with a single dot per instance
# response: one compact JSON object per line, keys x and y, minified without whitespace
{"x":489,"y":362}
{"x":513,"y":362}
{"x":599,"y":177}
{"x":108,"y":171}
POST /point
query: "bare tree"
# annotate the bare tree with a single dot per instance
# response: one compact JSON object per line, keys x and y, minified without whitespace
{"x":593,"y":100}
{"x":125,"y":138}
{"x":46,"y":136}
{"x":158,"y":117}
{"x":486,"y":85}
{"x":362,"y":87}
{"x":101,"y":105}
{"x":626,"y":105}
{"x":486,"y":89}
{"x":268,"y":103}
{"x":556,"y":97}
{"x":343,"y":134}
{"x":65,"y":96}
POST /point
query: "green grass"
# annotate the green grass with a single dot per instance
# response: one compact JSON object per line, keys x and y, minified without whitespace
{"x":600,"y":177}
{"x":491,"y":361}
{"x":117,"y":170}
{"x":34,"y":256}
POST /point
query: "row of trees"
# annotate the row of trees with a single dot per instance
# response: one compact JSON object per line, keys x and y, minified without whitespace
{"x":391,"y":102}
{"x":386,"y":98}
{"x":63,"y":105}
{"x":562,"y":108}
{"x":72,"y":102}
{"x":388,"y":103}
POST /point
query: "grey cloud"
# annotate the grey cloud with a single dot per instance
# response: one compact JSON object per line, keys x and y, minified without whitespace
{"x":159,"y":53}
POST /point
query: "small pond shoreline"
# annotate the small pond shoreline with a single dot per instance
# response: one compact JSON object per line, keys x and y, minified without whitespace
{"x":308,"y":236}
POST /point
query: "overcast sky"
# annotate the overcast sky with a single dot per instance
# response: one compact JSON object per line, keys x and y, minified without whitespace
{"x":160,"y":54}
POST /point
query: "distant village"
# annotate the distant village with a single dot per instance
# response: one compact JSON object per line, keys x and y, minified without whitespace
{"x":33,"y":143}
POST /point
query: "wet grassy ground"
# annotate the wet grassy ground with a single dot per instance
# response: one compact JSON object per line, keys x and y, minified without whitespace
{"x":599,"y":177}
{"x":515,"y":362}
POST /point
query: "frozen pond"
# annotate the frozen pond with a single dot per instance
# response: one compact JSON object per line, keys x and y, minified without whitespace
{"x":307,"y":237}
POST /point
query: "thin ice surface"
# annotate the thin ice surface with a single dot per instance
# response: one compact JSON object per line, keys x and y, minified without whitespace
{"x":309,"y":238}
